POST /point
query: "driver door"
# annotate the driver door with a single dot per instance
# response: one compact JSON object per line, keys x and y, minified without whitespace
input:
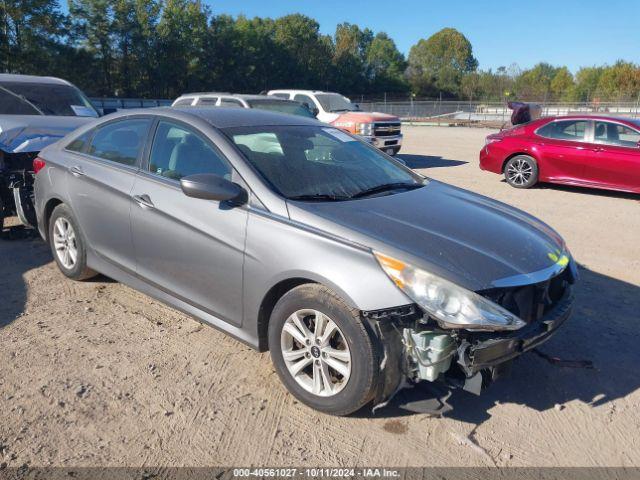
{"x":190,"y":248}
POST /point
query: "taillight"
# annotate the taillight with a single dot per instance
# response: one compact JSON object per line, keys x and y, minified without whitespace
{"x":490,"y":139}
{"x":38,"y":164}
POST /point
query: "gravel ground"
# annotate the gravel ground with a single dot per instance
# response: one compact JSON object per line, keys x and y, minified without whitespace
{"x":95,"y":373}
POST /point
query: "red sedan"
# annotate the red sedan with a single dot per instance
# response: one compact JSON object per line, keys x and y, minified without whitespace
{"x":589,"y":151}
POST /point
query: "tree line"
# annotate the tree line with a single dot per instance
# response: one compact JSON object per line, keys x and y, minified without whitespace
{"x":162,"y":48}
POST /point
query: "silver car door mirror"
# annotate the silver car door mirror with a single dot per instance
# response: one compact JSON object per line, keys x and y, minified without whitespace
{"x":208,"y":186}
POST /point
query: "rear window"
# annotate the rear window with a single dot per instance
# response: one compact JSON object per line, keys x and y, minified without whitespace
{"x":80,"y":143}
{"x":292,"y":108}
{"x":183,"y":102}
{"x":17,"y":98}
{"x":120,"y":141}
{"x":573,"y":130}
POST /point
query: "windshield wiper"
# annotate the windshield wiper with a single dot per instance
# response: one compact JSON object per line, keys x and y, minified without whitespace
{"x":22,"y":98}
{"x":336,"y":110}
{"x":386,"y":187}
{"x":319,"y":197}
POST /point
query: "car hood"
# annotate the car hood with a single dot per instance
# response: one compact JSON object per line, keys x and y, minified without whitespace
{"x":31,"y":133}
{"x":367,"y":117}
{"x":466,"y":238}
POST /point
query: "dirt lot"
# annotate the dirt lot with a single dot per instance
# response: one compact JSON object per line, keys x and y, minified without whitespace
{"x":96,"y":374}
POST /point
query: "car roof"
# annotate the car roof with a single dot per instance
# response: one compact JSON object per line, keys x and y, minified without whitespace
{"x":590,"y":116}
{"x":16,"y":78}
{"x":289,"y":90}
{"x":243,"y":96}
{"x":221,"y":117}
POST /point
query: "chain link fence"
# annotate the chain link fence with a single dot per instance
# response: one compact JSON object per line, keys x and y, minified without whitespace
{"x":431,"y":111}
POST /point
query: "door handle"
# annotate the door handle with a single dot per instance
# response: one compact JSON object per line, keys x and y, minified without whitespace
{"x":76,"y":171}
{"x":144,"y":201}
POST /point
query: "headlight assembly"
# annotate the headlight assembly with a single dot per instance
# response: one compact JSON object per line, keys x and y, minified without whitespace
{"x":365,"y":129}
{"x":451,"y":305}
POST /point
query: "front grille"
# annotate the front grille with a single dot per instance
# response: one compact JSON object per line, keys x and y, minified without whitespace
{"x":386,"y":129}
{"x":531,"y":302}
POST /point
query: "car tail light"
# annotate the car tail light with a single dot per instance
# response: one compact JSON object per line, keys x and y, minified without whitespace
{"x":489,"y":140}
{"x":38,"y":164}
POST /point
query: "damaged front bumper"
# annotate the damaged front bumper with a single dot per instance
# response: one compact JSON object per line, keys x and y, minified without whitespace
{"x":482,"y":356}
{"x":463,"y":359}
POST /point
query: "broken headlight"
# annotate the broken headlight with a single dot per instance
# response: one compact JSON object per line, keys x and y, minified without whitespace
{"x":451,"y":305}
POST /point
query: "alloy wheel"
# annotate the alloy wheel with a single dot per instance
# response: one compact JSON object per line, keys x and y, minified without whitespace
{"x":64,"y":241}
{"x":519,"y":171}
{"x":315,"y":352}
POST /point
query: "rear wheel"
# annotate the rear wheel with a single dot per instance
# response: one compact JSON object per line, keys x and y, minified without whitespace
{"x":68,"y":245}
{"x":521,"y":171}
{"x":322,"y":350}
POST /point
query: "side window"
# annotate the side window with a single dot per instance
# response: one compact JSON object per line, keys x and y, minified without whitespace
{"x":280,"y":95}
{"x":208,"y":101}
{"x":615,"y":134}
{"x":306,"y":99}
{"x":573,"y":130}
{"x":178,"y":152}
{"x":120,"y":141}
{"x":230,"y":102}
{"x":183,"y":102}
{"x":80,"y":143}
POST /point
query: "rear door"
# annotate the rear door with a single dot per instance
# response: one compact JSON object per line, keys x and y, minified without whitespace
{"x":100,"y":182}
{"x":565,"y":149}
{"x":617,"y":162}
{"x":190,"y":248}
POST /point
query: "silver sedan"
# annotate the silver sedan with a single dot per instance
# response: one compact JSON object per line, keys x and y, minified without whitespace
{"x":357,"y":274}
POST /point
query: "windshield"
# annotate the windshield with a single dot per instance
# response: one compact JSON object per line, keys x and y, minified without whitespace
{"x":320,"y":163}
{"x":18,"y":98}
{"x":293,"y":108}
{"x":332,"y":102}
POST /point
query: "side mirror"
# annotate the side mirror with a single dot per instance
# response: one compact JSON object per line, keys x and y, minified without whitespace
{"x":315,"y":111}
{"x":401,"y":160}
{"x":208,"y":186}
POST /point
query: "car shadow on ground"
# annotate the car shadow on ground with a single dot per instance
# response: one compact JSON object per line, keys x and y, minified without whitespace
{"x":21,"y":250}
{"x":602,"y":329}
{"x":597,"y":192}
{"x":428,"y":161}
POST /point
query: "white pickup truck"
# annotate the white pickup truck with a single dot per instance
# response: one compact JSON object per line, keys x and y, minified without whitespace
{"x":380,"y":129}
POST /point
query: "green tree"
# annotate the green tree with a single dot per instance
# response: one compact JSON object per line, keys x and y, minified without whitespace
{"x":438,"y":63}
{"x":92,"y":22}
{"x":562,"y":84}
{"x":385,"y":65}
{"x":181,"y":47}
{"x":349,"y":58}
{"x":619,"y":82}
{"x":31,"y":32}
{"x":586,"y":86}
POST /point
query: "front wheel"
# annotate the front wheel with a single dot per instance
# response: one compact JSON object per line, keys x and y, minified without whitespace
{"x":521,"y":171}
{"x":322,"y":351}
{"x":68,"y":245}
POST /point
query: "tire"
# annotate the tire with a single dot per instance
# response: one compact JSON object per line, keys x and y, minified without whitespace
{"x":65,"y":237}
{"x":344,"y":390}
{"x":521,"y":171}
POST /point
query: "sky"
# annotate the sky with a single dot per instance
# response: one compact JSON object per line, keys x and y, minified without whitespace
{"x":562,"y":32}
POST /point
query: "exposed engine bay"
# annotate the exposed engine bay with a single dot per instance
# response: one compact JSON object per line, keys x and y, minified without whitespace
{"x":16,"y":186}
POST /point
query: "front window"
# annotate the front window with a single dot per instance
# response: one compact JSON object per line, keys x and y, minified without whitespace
{"x":18,"y":98}
{"x":573,"y":130}
{"x":292,"y":108}
{"x":608,"y":133}
{"x":178,"y":151}
{"x":318,"y":163}
{"x":332,"y":102}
